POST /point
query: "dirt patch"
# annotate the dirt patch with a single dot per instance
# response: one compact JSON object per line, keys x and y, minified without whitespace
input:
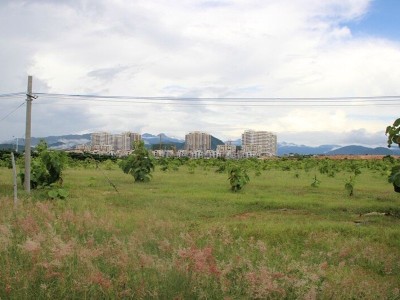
{"x":244,"y":216}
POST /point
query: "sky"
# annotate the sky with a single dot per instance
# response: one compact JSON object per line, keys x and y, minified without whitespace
{"x":313,"y":72}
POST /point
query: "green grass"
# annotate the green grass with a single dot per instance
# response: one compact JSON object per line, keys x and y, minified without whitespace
{"x":187,"y":236}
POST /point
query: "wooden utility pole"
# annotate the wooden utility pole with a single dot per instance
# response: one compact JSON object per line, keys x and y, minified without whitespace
{"x":29,"y":98}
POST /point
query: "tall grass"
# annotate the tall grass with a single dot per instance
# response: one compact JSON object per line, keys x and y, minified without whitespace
{"x":184,"y":235}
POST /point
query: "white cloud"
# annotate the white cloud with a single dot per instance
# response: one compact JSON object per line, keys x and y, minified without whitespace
{"x":193,"y":48}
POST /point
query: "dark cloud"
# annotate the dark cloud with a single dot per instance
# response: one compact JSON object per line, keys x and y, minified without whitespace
{"x":107,"y":74}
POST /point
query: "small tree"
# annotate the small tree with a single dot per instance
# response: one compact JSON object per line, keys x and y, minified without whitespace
{"x":47,"y":167}
{"x":139,"y":164}
{"x":238,"y":178}
{"x":349,"y":186}
{"x":393,"y":133}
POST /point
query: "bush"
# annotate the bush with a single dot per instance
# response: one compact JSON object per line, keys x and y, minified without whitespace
{"x":238,"y":178}
{"x":139,"y":164}
{"x":394,"y":178}
{"x":46,"y":167}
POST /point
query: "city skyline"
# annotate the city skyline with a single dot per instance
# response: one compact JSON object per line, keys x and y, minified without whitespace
{"x":315,"y":72}
{"x":197,"y":144}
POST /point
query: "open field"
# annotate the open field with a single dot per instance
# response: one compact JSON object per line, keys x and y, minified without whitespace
{"x":185,"y":235}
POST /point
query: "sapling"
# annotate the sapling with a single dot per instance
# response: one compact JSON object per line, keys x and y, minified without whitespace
{"x":238,"y":178}
{"x":349,"y":185}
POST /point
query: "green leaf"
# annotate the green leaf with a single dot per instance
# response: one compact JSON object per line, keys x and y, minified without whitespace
{"x":52,"y":194}
{"x":62,"y":193}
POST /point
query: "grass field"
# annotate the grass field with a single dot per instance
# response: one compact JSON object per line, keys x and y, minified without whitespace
{"x":185,"y":235}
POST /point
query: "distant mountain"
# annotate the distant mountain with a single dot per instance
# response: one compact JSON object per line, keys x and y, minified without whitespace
{"x":361,"y":150}
{"x":21,"y":148}
{"x":215,"y":142}
{"x":57,"y":142}
{"x":155,"y":139}
{"x":151,"y":139}
{"x":289,"y":148}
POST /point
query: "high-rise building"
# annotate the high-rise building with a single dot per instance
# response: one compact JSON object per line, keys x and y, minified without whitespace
{"x":102,"y":139}
{"x":115,"y":142}
{"x":262,"y":143}
{"x":134,"y":137}
{"x":197,"y":140}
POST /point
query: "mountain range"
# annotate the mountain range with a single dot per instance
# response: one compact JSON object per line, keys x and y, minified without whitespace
{"x":284,"y":148}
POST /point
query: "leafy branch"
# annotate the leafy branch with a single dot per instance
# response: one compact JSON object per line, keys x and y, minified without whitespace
{"x":393,"y":133}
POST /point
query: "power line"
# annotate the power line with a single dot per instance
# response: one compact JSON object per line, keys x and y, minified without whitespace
{"x":230,"y":102}
{"x":171,"y":98}
{"x":341,"y":101}
{"x":119,"y":104}
{"x":11,"y":95}
{"x":2,"y":119}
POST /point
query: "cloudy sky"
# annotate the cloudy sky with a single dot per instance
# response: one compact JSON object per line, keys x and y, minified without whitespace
{"x":304,"y":69}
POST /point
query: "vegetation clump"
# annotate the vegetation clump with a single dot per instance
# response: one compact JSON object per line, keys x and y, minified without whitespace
{"x":394,"y":178}
{"x":139,"y":164}
{"x":238,"y":178}
{"x":393,"y":133}
{"x":46,"y":167}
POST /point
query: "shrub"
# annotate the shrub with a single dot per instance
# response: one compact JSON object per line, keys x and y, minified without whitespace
{"x":349,"y":186}
{"x":316,"y":182}
{"x":238,"y":178}
{"x":139,"y":164}
{"x":394,"y":178}
{"x":393,"y":133}
{"x":46,"y":167}
{"x":58,"y":194}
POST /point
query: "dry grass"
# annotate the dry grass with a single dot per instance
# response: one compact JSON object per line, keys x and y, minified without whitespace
{"x":154,"y":241}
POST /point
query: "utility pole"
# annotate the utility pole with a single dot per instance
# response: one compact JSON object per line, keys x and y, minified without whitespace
{"x":29,"y":98}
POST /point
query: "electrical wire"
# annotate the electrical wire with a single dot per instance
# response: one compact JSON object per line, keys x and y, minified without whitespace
{"x":2,"y":119}
{"x":363,"y":98}
{"x":231,"y":101}
{"x":11,"y":95}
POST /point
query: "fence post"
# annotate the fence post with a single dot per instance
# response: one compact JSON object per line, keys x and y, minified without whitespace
{"x":14,"y":180}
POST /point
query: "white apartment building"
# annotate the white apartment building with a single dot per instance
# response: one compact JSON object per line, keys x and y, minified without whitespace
{"x":226,"y":150}
{"x":197,"y":140}
{"x":259,"y":143}
{"x":163,"y":153}
{"x":182,"y":153}
{"x":114,"y":142}
{"x":196,"y":154}
{"x":102,"y":138}
{"x":211,"y":154}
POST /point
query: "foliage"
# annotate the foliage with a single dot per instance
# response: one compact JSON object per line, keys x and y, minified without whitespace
{"x":393,"y":133}
{"x":238,"y":178}
{"x":5,"y":158}
{"x":58,"y":193}
{"x":349,"y":185}
{"x":46,"y":166}
{"x":394,"y":178}
{"x":108,"y":165}
{"x":315,"y":182}
{"x":139,"y":164}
